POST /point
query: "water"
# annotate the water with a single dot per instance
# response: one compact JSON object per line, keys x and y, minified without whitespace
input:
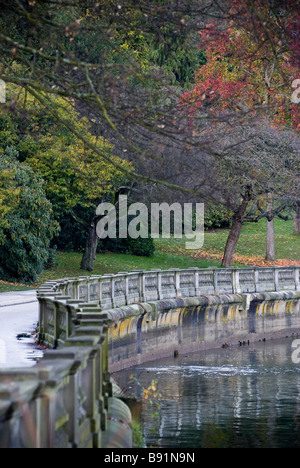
{"x":245,"y":397}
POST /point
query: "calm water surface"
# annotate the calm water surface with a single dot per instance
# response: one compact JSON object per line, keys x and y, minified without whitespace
{"x":238,"y":397}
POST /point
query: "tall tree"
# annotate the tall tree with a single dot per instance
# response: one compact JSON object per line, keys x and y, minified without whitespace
{"x":76,"y":178}
{"x":249,"y":71}
{"x":260,"y":170}
{"x":297,"y":220}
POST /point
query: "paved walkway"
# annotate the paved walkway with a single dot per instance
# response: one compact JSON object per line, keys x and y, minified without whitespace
{"x":18,"y":315}
{"x":17,"y":297}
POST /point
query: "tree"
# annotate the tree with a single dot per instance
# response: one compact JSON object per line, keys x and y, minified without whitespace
{"x":29,"y":224}
{"x":93,"y":55}
{"x":76,"y":178}
{"x":296,"y":203}
{"x":97,"y":56}
{"x":297,"y":220}
{"x":270,"y":254}
{"x":248,"y":68}
{"x":8,"y":199}
{"x":261,"y":169}
{"x":244,"y":75}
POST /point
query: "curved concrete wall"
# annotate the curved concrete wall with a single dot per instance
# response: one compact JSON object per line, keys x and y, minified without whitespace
{"x":104,"y":323}
{"x":164,"y":329}
{"x":154,"y":314}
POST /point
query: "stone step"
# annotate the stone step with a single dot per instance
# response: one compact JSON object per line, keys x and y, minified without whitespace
{"x":91,"y":322}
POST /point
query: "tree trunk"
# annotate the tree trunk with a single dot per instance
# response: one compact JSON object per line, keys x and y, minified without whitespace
{"x":235,"y":232}
{"x":87,"y":262}
{"x":270,"y":254}
{"x":297,"y":220}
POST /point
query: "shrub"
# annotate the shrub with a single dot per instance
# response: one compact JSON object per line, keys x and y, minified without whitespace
{"x":217,"y":217}
{"x":25,"y":240}
{"x":73,"y":235}
{"x":140,"y":247}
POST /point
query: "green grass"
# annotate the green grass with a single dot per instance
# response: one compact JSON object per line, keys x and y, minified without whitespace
{"x":171,"y":253}
{"x":252,"y":241}
{"x":67,"y":264}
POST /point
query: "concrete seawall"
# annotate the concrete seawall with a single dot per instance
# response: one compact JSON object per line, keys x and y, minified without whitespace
{"x":100,"y":324}
{"x":151,"y":331}
{"x":156,"y":313}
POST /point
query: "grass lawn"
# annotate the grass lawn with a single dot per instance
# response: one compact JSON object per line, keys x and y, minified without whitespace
{"x":252,"y":242}
{"x":68,"y":263}
{"x":171,"y":253}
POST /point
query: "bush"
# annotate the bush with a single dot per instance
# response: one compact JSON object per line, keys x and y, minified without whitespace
{"x":73,"y":236}
{"x":217,"y":217}
{"x":25,"y":238}
{"x":140,"y":247}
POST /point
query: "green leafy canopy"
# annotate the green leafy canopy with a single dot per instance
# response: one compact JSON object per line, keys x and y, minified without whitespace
{"x":28,"y":225}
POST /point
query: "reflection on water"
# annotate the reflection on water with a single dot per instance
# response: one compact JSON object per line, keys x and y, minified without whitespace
{"x":238,"y":397}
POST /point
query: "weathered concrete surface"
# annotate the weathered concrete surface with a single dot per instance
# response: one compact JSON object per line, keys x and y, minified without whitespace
{"x":66,"y":400}
{"x":164,"y":328}
{"x":119,"y":433}
{"x":149,"y":315}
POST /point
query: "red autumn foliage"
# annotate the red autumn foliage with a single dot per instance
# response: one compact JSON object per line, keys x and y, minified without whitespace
{"x":252,"y":63}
